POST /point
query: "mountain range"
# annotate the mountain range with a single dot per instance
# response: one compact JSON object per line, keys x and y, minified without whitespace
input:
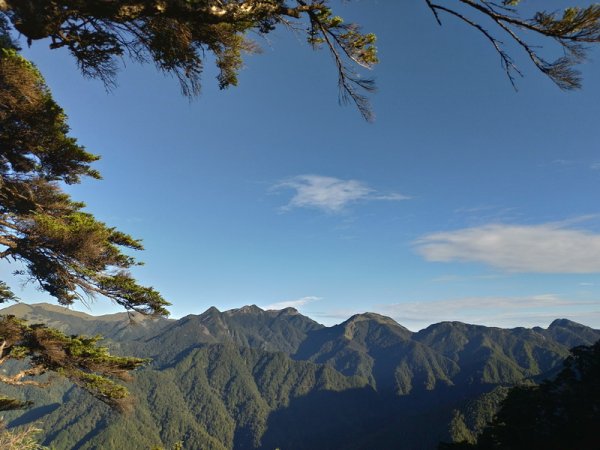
{"x":249,"y":378}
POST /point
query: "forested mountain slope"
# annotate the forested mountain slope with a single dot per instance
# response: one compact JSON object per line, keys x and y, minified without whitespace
{"x":249,"y":378}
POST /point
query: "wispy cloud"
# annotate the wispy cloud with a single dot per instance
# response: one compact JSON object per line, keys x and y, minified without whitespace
{"x":461,"y":278}
{"x":576,"y":164}
{"x":564,"y":162}
{"x":484,"y":214}
{"x":545,"y":248}
{"x":330,"y":194}
{"x":293,"y":303}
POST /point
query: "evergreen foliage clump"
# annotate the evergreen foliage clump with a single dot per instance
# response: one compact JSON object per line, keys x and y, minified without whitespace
{"x":20,"y":439}
{"x":60,"y":247}
{"x":57,"y":245}
{"x":176,"y":35}
{"x":77,"y":358}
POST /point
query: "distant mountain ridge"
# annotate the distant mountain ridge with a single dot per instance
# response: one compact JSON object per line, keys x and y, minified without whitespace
{"x":249,"y":326}
{"x":366,"y":383}
{"x":112,"y":326}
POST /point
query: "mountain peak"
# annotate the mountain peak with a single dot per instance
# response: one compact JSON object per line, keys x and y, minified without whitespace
{"x":248,"y":309}
{"x":372,"y":317}
{"x":565,"y":323}
{"x":372,"y":321}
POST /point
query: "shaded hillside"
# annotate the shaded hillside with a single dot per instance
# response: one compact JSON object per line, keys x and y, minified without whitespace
{"x":560,"y":413}
{"x":216,"y":397}
{"x":570,"y":334}
{"x":249,"y":378}
{"x":471,"y":418}
{"x":377,"y":347}
{"x":494,"y":355}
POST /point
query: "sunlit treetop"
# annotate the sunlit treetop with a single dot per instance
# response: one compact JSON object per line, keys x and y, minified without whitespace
{"x":62,"y":249}
{"x":175,"y":35}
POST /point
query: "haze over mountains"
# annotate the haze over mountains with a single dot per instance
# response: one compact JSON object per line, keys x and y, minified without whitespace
{"x":249,"y":378}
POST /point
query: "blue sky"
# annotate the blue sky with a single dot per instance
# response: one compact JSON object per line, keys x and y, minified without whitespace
{"x":465,"y":200}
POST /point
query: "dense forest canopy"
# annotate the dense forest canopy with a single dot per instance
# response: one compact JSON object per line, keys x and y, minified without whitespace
{"x":562,"y":412}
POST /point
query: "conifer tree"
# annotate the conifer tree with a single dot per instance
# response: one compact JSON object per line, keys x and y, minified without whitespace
{"x":175,"y":35}
{"x":63,"y":249}
{"x":58,"y":246}
{"x":78,"y":358}
{"x":570,"y":29}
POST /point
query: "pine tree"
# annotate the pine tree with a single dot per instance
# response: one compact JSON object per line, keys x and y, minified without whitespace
{"x":175,"y":35}
{"x":62,"y":248}
{"x":77,"y":358}
{"x":59,"y":246}
{"x":571,"y":29}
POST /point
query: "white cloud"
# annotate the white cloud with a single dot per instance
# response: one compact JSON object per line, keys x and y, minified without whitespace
{"x":330,"y":194}
{"x":293,"y":303}
{"x":459,"y":278}
{"x":576,"y":164}
{"x":564,"y":162}
{"x":545,"y":248}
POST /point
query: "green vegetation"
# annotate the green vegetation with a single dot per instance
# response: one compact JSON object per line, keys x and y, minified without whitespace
{"x":64,"y":250}
{"x":559,"y":413}
{"x":246,"y":327}
{"x":237,"y":380}
{"x":470,"y":420}
{"x":175,"y":36}
{"x":221,"y":390}
{"x":20,"y":439}
{"x":76,"y":358}
{"x":58,"y":246}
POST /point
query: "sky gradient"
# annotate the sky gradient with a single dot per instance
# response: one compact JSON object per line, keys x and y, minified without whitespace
{"x":464,"y":200}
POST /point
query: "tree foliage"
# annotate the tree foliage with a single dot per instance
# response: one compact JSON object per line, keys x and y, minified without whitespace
{"x":571,"y":29}
{"x":560,"y":413}
{"x":65,"y":250}
{"x":58,"y":246}
{"x":62,"y":248}
{"x":78,"y":358}
{"x":176,"y":35}
{"x":20,"y":439}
